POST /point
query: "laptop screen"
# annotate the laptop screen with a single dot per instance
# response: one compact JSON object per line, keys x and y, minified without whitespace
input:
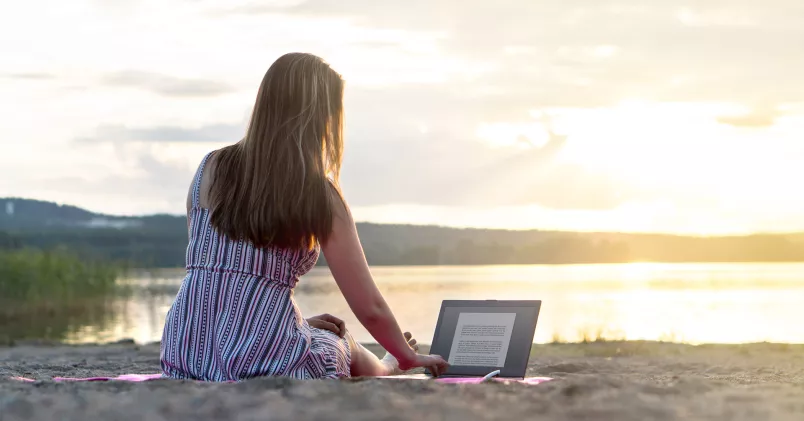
{"x":478,"y":337}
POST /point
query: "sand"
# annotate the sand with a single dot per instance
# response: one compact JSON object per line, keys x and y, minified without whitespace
{"x":596,"y":381}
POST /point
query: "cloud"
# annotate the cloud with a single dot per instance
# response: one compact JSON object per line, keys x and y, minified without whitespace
{"x":423,"y":77}
{"x":441,"y":170}
{"x":756,"y":119}
{"x":416,"y":143}
{"x":256,"y":8}
{"x":166,"y":85}
{"x":28,"y":76}
{"x":141,"y":172}
{"x":219,"y":133}
{"x":589,"y":52}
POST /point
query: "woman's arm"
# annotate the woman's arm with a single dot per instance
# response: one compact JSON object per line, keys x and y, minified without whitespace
{"x":348,"y":264}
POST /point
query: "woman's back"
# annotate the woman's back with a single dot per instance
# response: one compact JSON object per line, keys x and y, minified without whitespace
{"x":211,"y":250}
{"x":234,"y":316}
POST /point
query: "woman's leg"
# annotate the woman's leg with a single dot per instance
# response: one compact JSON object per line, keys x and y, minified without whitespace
{"x":366,"y":364}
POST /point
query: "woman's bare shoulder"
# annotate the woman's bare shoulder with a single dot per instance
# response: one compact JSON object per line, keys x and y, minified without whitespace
{"x":207,"y":177}
{"x":206,"y":181}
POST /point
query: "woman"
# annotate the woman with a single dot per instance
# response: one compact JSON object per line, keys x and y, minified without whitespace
{"x":259,"y":212}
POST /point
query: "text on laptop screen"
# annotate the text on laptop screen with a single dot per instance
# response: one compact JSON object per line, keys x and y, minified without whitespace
{"x":482,"y":339}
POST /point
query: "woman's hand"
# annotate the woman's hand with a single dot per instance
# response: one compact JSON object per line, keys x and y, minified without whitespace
{"x":328,"y":322}
{"x":432,"y":362}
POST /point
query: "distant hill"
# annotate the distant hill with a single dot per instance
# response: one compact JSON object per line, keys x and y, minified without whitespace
{"x":160,"y":241}
{"x":23,"y":213}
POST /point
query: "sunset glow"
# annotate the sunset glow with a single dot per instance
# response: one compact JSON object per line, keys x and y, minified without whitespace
{"x":110,"y":107}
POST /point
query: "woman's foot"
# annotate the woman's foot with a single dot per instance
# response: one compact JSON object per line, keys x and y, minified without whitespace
{"x":390,"y":361}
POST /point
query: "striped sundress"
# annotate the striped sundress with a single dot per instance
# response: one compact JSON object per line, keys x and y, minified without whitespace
{"x":234,"y":316}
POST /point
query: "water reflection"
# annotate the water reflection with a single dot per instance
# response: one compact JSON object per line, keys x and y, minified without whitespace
{"x":55,"y":321}
{"x":694,"y":303}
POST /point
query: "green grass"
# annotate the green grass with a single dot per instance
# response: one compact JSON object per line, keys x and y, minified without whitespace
{"x":43,"y":294}
{"x":34,"y":276}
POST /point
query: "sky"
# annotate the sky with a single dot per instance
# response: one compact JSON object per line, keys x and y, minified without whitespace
{"x":591,"y":115}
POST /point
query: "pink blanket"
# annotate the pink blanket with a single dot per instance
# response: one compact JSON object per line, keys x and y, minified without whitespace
{"x":470,"y":380}
{"x":445,"y":380}
{"x":124,"y":378}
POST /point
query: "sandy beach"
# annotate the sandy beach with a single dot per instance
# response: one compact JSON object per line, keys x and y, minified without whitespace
{"x":595,"y":381}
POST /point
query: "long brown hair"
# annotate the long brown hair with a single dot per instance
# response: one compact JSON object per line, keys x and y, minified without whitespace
{"x":275,"y":187}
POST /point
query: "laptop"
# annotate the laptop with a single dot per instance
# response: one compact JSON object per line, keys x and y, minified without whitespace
{"x":485,"y":338}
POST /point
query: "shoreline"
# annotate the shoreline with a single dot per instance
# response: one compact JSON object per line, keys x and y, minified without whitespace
{"x":632,"y":380}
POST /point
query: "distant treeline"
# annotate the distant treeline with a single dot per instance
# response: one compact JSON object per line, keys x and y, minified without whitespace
{"x":161,"y":241}
{"x":571,"y":248}
{"x":128,"y":247}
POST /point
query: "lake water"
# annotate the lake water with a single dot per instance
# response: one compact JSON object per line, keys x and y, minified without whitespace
{"x":692,"y":303}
